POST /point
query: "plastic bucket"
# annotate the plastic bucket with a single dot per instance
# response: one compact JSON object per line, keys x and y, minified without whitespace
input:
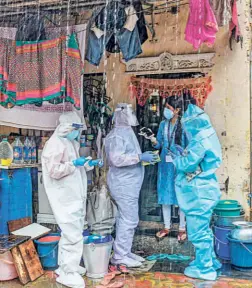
{"x":47,"y":248}
{"x":227,"y":204}
{"x":7,"y":268}
{"x":221,"y":243}
{"x":96,"y":257}
{"x":241,"y":253}
{"x":228,"y":211}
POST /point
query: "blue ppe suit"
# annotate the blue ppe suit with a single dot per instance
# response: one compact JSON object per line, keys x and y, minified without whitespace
{"x":125,"y":178}
{"x":198,"y":197}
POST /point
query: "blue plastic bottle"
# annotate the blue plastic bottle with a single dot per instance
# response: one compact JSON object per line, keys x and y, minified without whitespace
{"x":17,"y":146}
{"x":27,"y":151}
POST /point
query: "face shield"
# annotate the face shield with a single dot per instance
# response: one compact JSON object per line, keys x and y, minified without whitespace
{"x":125,"y":116}
{"x":70,"y":126}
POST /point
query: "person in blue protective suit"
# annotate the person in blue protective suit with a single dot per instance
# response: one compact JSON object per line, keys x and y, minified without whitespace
{"x":65,"y":181}
{"x":125,"y":178}
{"x":197,"y":189}
{"x":170,"y":133}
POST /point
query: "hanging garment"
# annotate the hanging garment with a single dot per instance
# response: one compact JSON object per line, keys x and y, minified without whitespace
{"x":234,"y":28}
{"x":166,"y":170}
{"x":201,"y":25}
{"x":199,"y":196}
{"x":66,"y":188}
{"x":31,"y":28}
{"x":44,"y":71}
{"x":115,"y":28}
{"x":222,"y":11}
{"x":31,"y":116}
{"x":125,"y":178}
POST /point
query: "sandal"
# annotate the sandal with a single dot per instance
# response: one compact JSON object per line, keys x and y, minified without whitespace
{"x":182,"y":236}
{"x":162,"y":234}
{"x":118,"y":269}
{"x":108,"y":278}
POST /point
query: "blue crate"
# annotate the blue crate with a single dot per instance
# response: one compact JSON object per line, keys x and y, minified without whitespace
{"x":15,"y":196}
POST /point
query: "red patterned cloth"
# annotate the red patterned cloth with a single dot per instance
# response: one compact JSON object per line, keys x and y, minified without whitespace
{"x":143,"y":88}
{"x":35,"y":72}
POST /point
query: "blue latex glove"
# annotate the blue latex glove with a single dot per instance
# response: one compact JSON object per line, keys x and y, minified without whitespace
{"x":97,"y":162}
{"x":80,"y":161}
{"x":148,"y":156}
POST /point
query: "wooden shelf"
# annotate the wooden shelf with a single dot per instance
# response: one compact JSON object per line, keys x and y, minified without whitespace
{"x":20,"y":166}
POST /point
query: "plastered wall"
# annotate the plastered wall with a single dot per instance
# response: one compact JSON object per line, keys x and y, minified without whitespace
{"x":229,"y":103}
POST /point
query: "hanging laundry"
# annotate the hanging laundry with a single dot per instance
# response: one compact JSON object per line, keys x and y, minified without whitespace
{"x":201,"y":25}
{"x":234,"y":28}
{"x":45,"y":117}
{"x":114,"y":28}
{"x":31,"y":28}
{"x":40,"y":71}
{"x":222,"y":11}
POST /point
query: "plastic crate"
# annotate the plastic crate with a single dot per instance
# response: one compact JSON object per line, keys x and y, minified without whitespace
{"x":15,"y":196}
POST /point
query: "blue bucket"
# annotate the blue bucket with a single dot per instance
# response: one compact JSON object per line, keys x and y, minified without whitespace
{"x":221,"y":243}
{"x":47,"y":248}
{"x":241,"y":253}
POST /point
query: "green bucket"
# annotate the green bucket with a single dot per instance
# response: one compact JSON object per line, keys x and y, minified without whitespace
{"x":228,"y":211}
{"x":227,"y":204}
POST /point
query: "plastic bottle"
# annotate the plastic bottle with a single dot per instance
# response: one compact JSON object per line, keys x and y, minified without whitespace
{"x":33,"y":151}
{"x":27,"y":151}
{"x":6,"y":153}
{"x":18,"y":147}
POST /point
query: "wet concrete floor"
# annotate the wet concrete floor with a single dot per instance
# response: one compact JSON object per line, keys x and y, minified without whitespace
{"x":164,"y":274}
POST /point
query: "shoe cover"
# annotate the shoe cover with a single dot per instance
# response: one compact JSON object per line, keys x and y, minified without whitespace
{"x":216,"y":264}
{"x":72,"y":280}
{"x":206,"y":274}
{"x":129,"y":262}
{"x":136,"y":257}
{"x":81,"y":270}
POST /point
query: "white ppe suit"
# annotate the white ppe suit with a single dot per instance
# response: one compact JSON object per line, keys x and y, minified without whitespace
{"x":66,"y":188}
{"x":125,"y":177}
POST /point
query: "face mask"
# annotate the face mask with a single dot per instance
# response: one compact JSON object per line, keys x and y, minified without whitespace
{"x":73,"y":135}
{"x":168,"y":114}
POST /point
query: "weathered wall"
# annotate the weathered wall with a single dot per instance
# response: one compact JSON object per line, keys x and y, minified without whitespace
{"x":229,"y":103}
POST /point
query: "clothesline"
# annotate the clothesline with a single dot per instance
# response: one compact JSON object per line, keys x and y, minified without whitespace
{"x":143,"y":10}
{"x":164,"y":6}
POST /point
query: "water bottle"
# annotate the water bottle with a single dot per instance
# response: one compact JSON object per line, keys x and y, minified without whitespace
{"x":18,"y":147}
{"x":6,"y":153}
{"x":33,"y":151}
{"x":27,"y":151}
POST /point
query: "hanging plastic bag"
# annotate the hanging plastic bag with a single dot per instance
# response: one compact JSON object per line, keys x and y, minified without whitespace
{"x":101,"y":211}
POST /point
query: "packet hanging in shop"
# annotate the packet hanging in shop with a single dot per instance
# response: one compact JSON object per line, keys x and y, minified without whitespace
{"x":156,"y":161}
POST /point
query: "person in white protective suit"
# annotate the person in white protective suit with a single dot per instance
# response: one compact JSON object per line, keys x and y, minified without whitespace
{"x":125,"y":178}
{"x":65,"y":180}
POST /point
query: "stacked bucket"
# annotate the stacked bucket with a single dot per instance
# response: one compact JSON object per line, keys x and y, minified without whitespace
{"x":225,"y":214}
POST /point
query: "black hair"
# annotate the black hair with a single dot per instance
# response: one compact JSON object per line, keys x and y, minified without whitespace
{"x":182,"y":103}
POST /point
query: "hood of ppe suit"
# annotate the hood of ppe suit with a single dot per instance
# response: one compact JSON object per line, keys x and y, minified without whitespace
{"x":125,"y":116}
{"x":195,"y":120}
{"x":66,"y":120}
